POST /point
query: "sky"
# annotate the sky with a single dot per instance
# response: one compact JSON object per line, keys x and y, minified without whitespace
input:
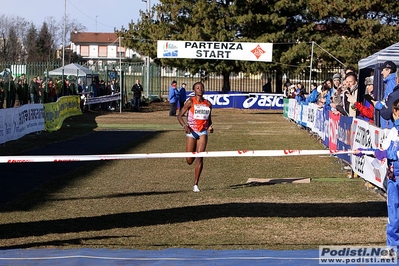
{"x":96,"y":15}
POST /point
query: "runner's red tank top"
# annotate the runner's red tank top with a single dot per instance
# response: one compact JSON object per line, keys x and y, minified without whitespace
{"x":198,"y":115}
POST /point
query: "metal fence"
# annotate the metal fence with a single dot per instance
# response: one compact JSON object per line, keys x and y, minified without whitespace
{"x":160,"y":77}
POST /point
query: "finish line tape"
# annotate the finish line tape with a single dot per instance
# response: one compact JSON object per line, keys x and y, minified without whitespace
{"x":107,"y":157}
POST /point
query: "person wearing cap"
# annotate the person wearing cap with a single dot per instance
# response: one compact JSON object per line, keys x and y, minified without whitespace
{"x":386,"y":111}
{"x":337,"y":81}
{"x":182,"y":95}
{"x":366,"y":110}
{"x":337,"y":105}
{"x":388,"y":72}
{"x":173,"y":98}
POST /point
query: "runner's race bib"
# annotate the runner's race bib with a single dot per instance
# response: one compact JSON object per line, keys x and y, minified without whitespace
{"x":201,"y":112}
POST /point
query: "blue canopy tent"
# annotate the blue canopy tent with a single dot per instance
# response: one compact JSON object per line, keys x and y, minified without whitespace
{"x":369,"y":66}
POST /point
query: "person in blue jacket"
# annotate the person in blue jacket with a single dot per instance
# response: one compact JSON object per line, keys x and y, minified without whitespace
{"x":388,"y":71}
{"x":386,"y":106}
{"x":389,"y":152}
{"x":173,"y":98}
{"x":182,"y":95}
{"x":314,"y":94}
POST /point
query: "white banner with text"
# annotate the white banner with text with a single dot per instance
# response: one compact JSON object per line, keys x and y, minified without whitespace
{"x":261,"y":52}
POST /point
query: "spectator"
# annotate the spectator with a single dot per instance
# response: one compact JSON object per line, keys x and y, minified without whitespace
{"x":291,"y":92}
{"x":34,"y":91}
{"x":366,"y":110}
{"x":300,"y":96}
{"x":312,"y":98}
{"x":388,"y":71}
{"x":351,"y":91}
{"x":321,"y":100}
{"x":337,"y":81}
{"x":328,"y":83}
{"x":182,"y":95}
{"x":1,"y":93}
{"x":267,"y":88}
{"x":113,"y":75}
{"x":349,"y":69}
{"x":137,"y":89}
{"x":173,"y":98}
{"x":286,"y":89}
{"x":19,"y":92}
{"x":52,"y":94}
{"x":389,"y":152}
{"x":25,"y":87}
{"x":385,"y":111}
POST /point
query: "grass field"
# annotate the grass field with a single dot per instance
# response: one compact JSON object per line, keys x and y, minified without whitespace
{"x":149,"y":203}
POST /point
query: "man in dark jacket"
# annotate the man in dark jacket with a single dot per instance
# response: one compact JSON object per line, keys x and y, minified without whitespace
{"x":137,"y":89}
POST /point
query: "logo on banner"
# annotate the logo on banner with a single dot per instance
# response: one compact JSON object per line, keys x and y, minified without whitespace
{"x":218,"y":99}
{"x":264,"y":101}
{"x":377,"y":138}
{"x":258,"y":51}
{"x":170,"y":50}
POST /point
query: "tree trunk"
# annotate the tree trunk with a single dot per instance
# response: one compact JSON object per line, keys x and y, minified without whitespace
{"x":226,"y":82}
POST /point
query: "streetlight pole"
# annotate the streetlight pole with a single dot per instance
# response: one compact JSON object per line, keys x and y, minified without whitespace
{"x":120,"y":76}
{"x":147,"y":87}
{"x":63,"y":42}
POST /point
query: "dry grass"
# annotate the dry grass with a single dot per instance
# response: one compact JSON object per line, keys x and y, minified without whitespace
{"x":148,"y":204}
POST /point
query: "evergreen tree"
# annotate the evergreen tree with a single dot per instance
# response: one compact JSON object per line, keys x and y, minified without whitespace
{"x":30,"y":44}
{"x":349,"y":30}
{"x":45,"y":44}
{"x":14,"y":46}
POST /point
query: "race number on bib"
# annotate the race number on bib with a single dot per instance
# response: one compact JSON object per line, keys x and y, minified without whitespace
{"x":201,"y":112}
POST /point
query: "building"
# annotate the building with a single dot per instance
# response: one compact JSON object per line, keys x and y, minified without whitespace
{"x":99,"y":48}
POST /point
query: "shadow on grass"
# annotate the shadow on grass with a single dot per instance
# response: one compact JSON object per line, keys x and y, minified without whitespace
{"x":191,"y":213}
{"x":21,"y":178}
{"x":118,"y":195}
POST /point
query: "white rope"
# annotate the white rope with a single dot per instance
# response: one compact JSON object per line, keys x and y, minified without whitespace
{"x":240,"y":153}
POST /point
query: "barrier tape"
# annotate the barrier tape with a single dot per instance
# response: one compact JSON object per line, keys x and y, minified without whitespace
{"x":106,"y":157}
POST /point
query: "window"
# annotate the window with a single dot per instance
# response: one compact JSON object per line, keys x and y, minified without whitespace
{"x":102,"y":51}
{"x":84,"y":50}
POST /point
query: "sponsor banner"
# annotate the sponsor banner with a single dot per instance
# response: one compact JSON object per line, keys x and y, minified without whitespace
{"x":311,"y":116}
{"x":285,"y":110}
{"x":344,"y":137}
{"x":102,"y":99}
{"x":333,"y":132}
{"x":261,"y":52}
{"x":326,"y":127}
{"x":304,"y":115}
{"x":291,"y":109}
{"x":368,"y":136}
{"x":56,"y":113}
{"x":343,"y":133}
{"x":18,"y":122}
{"x":244,"y":101}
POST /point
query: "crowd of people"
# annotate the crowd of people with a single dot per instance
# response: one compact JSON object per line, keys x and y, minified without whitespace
{"x":339,"y":94}
{"x":17,"y":91}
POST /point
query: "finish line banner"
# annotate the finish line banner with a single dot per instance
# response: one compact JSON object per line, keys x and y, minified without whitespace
{"x":260,"y":52}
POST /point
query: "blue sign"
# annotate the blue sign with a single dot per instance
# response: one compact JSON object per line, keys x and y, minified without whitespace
{"x":245,"y":100}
